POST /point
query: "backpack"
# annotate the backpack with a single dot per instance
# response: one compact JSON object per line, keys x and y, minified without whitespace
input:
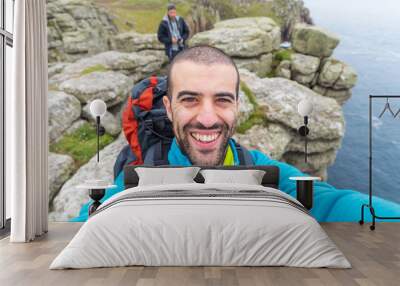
{"x":148,"y":129}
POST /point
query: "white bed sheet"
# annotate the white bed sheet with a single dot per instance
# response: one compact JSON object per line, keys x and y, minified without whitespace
{"x":201,"y":231}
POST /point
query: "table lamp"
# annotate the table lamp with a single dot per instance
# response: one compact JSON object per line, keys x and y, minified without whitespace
{"x":98,"y":108}
{"x":97,"y":186}
{"x":304,"y":108}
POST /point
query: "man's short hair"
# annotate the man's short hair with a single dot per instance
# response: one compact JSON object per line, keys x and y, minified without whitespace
{"x":202,"y":54}
{"x":171,"y":6}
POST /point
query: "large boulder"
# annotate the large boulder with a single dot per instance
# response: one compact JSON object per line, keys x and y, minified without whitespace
{"x":313,"y":40}
{"x":284,"y":69}
{"x":60,"y":169}
{"x":313,"y":146}
{"x":134,"y":42}
{"x":245,"y":107}
{"x":64,"y":109}
{"x":261,"y":65}
{"x":70,"y":199}
{"x":337,"y":75}
{"x":110,"y":86}
{"x":77,"y":29}
{"x":242,"y":37}
{"x":304,"y":64}
{"x":316,"y":162}
{"x":341,"y":96}
{"x":136,"y":65}
{"x":278,"y":135}
{"x":304,"y":79}
{"x":55,"y":68}
{"x":271,"y":139}
{"x":281,"y":97}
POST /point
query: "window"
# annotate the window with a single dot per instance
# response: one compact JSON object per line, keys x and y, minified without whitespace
{"x":6,"y":44}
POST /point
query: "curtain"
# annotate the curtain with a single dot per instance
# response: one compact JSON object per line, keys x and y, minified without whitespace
{"x":26,"y":124}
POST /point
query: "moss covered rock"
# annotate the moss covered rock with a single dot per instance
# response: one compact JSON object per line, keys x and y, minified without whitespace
{"x":109,"y":86}
{"x":313,"y":40}
{"x":337,"y":75}
{"x":64,"y":109}
{"x":242,"y":37}
{"x":134,"y":42}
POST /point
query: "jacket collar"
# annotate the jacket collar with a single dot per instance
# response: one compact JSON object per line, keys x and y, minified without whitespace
{"x":165,"y":18}
{"x":178,"y":158}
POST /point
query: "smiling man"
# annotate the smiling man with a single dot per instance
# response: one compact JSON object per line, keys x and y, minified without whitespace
{"x":202,"y":104}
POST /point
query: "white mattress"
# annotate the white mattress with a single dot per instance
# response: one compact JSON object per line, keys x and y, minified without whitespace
{"x":201,"y":224}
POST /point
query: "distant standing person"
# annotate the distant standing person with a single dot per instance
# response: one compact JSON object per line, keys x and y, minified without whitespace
{"x":173,"y":32}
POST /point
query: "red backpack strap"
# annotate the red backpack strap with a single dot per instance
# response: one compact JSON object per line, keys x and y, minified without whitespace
{"x":145,"y":99}
{"x":129,"y":123}
{"x":130,"y":127}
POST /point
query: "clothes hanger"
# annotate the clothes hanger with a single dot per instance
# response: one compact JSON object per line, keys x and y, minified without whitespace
{"x":397,"y":113}
{"x":387,"y":106}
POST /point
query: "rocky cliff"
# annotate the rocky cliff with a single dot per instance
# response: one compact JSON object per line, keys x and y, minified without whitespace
{"x":80,"y":28}
{"x":273,"y":81}
{"x":77,"y":28}
{"x":307,"y":72}
{"x":286,"y":13}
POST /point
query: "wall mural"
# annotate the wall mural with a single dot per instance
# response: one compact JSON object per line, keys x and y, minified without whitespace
{"x":101,"y":48}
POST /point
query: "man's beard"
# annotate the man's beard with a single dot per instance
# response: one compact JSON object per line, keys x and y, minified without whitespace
{"x":182,"y":134}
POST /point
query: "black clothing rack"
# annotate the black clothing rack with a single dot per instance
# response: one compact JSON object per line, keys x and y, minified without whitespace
{"x":369,"y":205}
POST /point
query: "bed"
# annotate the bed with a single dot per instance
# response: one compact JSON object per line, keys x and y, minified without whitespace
{"x":201,"y":224}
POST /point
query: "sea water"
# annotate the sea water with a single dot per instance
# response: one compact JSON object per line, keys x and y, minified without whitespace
{"x":369,"y":32}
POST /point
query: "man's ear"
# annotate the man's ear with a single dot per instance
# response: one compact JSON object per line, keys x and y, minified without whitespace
{"x":167,"y":104}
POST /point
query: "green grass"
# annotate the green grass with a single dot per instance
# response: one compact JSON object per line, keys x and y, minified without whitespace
{"x":147,"y":14}
{"x":81,"y":145}
{"x":258,"y":10}
{"x":283,"y":54}
{"x":95,"y":68}
{"x":280,"y":55}
{"x":257,"y":117}
{"x":250,"y":95}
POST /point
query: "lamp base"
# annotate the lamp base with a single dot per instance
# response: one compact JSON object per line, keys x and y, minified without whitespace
{"x":304,"y":130}
{"x":96,"y":195}
{"x":305,"y":192}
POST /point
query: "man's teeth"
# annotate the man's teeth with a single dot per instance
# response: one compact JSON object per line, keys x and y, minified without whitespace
{"x":205,"y":138}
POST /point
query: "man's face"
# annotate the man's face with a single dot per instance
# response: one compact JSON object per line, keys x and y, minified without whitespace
{"x":172,"y":13}
{"x":203,"y":109}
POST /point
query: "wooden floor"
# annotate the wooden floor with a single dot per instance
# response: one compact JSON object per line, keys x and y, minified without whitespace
{"x":374,"y":255}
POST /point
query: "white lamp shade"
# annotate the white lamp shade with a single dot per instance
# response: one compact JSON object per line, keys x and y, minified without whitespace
{"x":98,"y":108}
{"x":305,"y":107}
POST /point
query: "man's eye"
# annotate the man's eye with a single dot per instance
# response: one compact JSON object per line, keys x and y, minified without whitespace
{"x":189,"y":99}
{"x":224,"y":100}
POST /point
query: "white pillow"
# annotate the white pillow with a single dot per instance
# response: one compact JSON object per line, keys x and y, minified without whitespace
{"x":166,"y":176}
{"x":249,"y":177}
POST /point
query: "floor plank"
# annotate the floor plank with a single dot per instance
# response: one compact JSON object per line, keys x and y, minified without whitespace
{"x":374,"y":255}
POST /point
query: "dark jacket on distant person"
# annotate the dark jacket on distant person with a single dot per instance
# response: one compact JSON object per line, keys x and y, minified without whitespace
{"x":164,"y":33}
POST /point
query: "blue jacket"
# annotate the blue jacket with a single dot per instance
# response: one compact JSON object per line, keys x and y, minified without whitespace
{"x":330,"y":204}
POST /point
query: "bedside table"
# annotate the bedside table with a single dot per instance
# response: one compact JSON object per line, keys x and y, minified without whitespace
{"x":96,"y":193}
{"x":305,"y":190}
